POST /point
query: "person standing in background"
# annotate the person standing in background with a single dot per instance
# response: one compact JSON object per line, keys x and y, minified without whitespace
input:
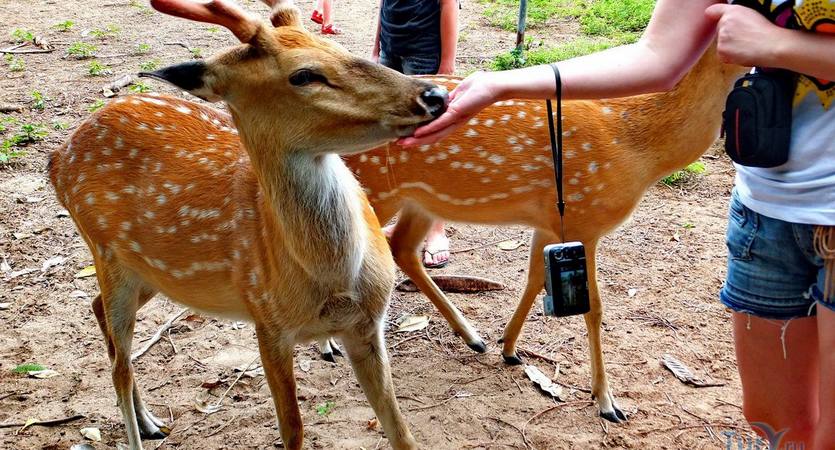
{"x":325,"y":17}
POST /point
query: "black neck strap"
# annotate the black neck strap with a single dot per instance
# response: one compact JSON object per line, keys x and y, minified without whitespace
{"x":556,"y":147}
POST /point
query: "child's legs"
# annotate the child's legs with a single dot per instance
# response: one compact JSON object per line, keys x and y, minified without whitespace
{"x":327,"y":12}
{"x":319,"y":5}
{"x":421,"y":64}
{"x":825,"y":432}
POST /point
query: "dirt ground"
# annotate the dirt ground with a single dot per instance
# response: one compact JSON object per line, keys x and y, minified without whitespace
{"x":660,"y":274}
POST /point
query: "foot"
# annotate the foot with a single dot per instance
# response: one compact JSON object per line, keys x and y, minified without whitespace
{"x":331,"y":29}
{"x":329,"y":350}
{"x":436,"y":249}
{"x":609,"y":409}
{"x":316,"y":17}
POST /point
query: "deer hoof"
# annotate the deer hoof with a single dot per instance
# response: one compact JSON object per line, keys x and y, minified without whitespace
{"x":153,"y":434}
{"x":478,"y":347}
{"x":512,"y":360}
{"x":615,"y":416}
{"x":328,"y":357}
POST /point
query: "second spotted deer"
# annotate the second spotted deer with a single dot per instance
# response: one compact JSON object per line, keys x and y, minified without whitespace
{"x":267,"y":225}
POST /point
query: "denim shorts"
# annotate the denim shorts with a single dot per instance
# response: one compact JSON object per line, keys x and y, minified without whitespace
{"x":411,"y":65}
{"x":773,"y":270}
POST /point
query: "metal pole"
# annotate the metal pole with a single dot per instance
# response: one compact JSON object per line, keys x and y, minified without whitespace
{"x":520,"y":26}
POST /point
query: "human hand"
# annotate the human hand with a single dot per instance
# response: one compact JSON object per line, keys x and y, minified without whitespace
{"x":745,"y":37}
{"x":446,"y":68}
{"x":375,"y":56}
{"x":475,"y":93}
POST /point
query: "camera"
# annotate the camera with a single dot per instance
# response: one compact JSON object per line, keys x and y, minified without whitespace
{"x":566,"y":280}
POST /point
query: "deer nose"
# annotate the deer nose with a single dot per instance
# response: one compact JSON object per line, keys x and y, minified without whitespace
{"x":435,"y":100}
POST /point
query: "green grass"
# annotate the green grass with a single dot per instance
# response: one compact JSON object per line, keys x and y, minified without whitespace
{"x":544,"y":55}
{"x":103,"y":33}
{"x":149,"y":65}
{"x":97,"y":69}
{"x":613,"y":17}
{"x":64,"y":26}
{"x":15,"y":64}
{"x":325,"y":409}
{"x":20,"y":35}
{"x":139,"y":87}
{"x":81,"y":50}
{"x":505,"y":13}
{"x":96,"y":105}
{"x":38,"y":100}
{"x":143,"y":48}
{"x":680,"y":176}
{"x":25,"y":368}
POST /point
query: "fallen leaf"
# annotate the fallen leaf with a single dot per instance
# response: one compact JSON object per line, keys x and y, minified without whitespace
{"x":82,"y":447}
{"x":544,"y":383}
{"x":91,"y":433}
{"x":304,"y":365}
{"x":86,"y":272}
{"x":43,"y":374}
{"x":52,"y":262}
{"x":29,"y":422}
{"x":5,"y":306}
{"x":412,"y":323}
{"x":511,"y":244}
{"x":372,"y":424}
{"x":206,"y":408}
{"x":22,"y":236}
{"x":78,"y":294}
{"x":683,"y":373}
{"x":4,"y":265}
{"x":631,"y":292}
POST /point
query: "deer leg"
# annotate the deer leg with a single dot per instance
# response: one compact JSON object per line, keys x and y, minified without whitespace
{"x":328,"y":349}
{"x":606,"y":403}
{"x":367,"y":354}
{"x":406,"y":239}
{"x":150,"y":427}
{"x":535,"y":284}
{"x":277,"y":359}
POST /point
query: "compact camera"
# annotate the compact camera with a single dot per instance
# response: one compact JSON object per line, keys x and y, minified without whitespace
{"x":566,"y":280}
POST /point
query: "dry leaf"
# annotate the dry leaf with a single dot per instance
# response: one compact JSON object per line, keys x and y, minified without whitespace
{"x":52,"y":262}
{"x":631,"y":292}
{"x":86,"y":272}
{"x":372,"y":424}
{"x":5,"y":306}
{"x":412,"y":323}
{"x":544,"y":383}
{"x":206,"y":408}
{"x":511,"y":244}
{"x":4,"y":265}
{"x":91,"y":433}
{"x":82,"y":447}
{"x":22,"y":236}
{"x":683,"y":373}
{"x":46,"y":373}
{"x":78,"y":294}
{"x":29,"y":422}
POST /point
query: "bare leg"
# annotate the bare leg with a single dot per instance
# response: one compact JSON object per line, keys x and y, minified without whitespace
{"x":277,"y":360}
{"x":781,"y":393}
{"x":367,"y":353}
{"x":405,"y":241}
{"x":825,"y":432}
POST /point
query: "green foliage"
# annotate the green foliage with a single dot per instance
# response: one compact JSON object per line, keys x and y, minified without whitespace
{"x":688,"y":226}
{"x":20,"y":35}
{"x":578,"y":47}
{"x":614,"y":17}
{"x":10,"y":148}
{"x":102,"y":33}
{"x":64,"y":26}
{"x":30,"y":132}
{"x":678,"y":177}
{"x":149,"y":65}
{"x":8,"y":152}
{"x":140,"y":7}
{"x":28,"y":367}
{"x":96,"y":105}
{"x":5,"y":121}
{"x":505,"y":13}
{"x":81,"y":50}
{"x":213,"y":29}
{"x":15,"y":64}
{"x":140,"y":87}
{"x":38,"y":100}
{"x":325,"y":409}
{"x":143,"y":48}
{"x":196,"y":53}
{"x":98,"y":69}
{"x":60,"y":126}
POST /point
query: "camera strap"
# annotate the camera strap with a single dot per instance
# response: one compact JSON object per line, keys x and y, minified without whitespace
{"x":556,"y":147}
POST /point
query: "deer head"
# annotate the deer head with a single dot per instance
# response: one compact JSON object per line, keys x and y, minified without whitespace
{"x":283,"y":78}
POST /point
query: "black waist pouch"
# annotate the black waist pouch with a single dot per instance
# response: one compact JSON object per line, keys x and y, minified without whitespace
{"x":758,"y":118}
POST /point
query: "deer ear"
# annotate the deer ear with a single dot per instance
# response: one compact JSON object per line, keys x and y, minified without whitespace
{"x":189,"y":76}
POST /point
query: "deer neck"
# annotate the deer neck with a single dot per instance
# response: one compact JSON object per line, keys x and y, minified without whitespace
{"x":671,"y":129}
{"x":314,"y":204}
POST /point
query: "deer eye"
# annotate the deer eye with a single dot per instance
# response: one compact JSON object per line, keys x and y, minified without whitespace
{"x":304,"y":77}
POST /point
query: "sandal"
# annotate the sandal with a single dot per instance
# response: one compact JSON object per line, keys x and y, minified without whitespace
{"x":331,"y":29}
{"x":434,"y":265}
{"x":316,"y":17}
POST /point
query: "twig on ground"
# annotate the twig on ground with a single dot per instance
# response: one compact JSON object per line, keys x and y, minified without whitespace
{"x":457,"y":395}
{"x":522,"y":433}
{"x":728,"y":403}
{"x":220,"y":428}
{"x":44,"y":423}
{"x":406,"y":397}
{"x":534,"y":354}
{"x":171,"y":341}
{"x":158,"y":335}
{"x":220,"y":400}
{"x":25,"y":51}
{"x":12,"y":394}
{"x":8,"y":107}
{"x":476,"y":247}
{"x":406,"y":340}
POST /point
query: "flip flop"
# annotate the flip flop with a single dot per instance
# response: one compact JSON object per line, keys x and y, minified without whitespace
{"x":433,"y":265}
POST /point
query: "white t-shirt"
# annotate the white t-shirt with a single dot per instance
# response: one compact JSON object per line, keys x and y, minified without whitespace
{"x":803,"y":189}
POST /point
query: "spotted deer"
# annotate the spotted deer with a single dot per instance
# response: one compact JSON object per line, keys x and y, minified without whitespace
{"x":266,"y":225}
{"x":498,"y":169}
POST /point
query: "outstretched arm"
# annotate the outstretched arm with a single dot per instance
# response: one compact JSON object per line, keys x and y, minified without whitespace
{"x":449,"y":36}
{"x":674,"y":40}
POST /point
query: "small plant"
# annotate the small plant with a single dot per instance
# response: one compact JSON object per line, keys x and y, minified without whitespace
{"x":96,"y":105}
{"x":196,"y":53}
{"x":5,"y":121}
{"x":141,"y":7}
{"x":81,"y":50}
{"x":20,"y":35}
{"x":213,"y":29}
{"x":64,"y":26}
{"x":688,"y":226}
{"x":140,"y":87}
{"x":60,"y":126}
{"x":8,"y":152}
{"x":675,"y":178}
{"x":149,"y":65}
{"x":143,"y":48}
{"x":325,"y":409}
{"x":38,"y":100}
{"x":25,"y":368}
{"x":97,"y":69}
{"x":15,"y":64}
{"x":30,"y":132}
{"x":110,"y":31}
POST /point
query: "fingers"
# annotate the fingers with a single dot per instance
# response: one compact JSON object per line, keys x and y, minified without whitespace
{"x":426,"y":139}
{"x":715,"y":12}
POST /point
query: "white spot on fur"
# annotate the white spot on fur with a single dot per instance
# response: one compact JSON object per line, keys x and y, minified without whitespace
{"x":593,"y":166}
{"x":183,"y":109}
